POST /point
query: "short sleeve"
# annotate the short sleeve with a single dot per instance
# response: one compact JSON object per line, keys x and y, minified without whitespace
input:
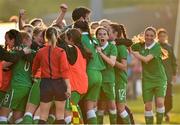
{"x":114,"y":51}
{"x":156,"y":51}
{"x":136,"y":47}
{"x":122,"y":52}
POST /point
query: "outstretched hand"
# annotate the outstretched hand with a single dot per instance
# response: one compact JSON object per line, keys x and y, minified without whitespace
{"x":63,"y":8}
{"x":21,"y":12}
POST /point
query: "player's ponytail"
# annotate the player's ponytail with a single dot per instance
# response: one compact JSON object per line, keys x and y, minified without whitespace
{"x":51,"y":35}
{"x":123,"y":31}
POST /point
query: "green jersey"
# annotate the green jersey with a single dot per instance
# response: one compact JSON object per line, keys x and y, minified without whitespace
{"x":108,"y":74}
{"x":21,"y":72}
{"x":153,"y":71}
{"x":121,"y":75}
{"x":96,"y":63}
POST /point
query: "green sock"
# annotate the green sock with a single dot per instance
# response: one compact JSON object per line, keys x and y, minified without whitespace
{"x":27,"y":119}
{"x":80,"y":112}
{"x":113,"y":118}
{"x":3,"y":122}
{"x":51,"y":119}
{"x":100,"y":119}
{"x":159,"y":117}
{"x":92,"y":120}
{"x":126,"y":120}
{"x":35,"y":121}
{"x":149,"y":119}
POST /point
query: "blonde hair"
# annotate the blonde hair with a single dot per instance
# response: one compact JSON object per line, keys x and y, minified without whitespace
{"x":25,"y":35}
{"x":51,"y":36}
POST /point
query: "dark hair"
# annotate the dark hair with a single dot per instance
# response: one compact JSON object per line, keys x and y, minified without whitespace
{"x":37,"y":30}
{"x":150,"y":29}
{"x":80,"y":12}
{"x":93,"y":23}
{"x":99,"y":28}
{"x":14,"y":34}
{"x":51,"y":35}
{"x":161,"y":30}
{"x":84,"y":27}
{"x":75,"y":35}
{"x":119,"y":28}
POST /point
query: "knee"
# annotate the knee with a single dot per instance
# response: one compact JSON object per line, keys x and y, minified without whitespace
{"x":148,"y":107}
{"x":159,"y":104}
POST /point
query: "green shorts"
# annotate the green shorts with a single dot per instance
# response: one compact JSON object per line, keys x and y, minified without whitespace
{"x":2,"y":94}
{"x":94,"y":85}
{"x":120,"y":90}
{"x":16,"y":98}
{"x":107,"y":92}
{"x":149,"y":92}
{"x":34,"y":95}
{"x":75,"y":98}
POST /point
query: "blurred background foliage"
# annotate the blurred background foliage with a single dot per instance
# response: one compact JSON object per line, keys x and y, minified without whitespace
{"x":39,"y":8}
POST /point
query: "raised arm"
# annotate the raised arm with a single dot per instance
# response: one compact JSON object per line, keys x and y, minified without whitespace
{"x":63,"y":10}
{"x":21,"y":19}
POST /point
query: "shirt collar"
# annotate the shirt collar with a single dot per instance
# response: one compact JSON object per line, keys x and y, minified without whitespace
{"x":149,"y":47}
{"x":104,"y":47}
{"x":85,"y":33}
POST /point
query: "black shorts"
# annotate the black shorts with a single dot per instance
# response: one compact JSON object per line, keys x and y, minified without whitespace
{"x":52,"y":89}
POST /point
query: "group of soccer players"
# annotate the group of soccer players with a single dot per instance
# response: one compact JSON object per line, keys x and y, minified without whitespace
{"x":46,"y":71}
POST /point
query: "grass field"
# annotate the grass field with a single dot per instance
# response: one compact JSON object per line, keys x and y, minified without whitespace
{"x":137,"y":108}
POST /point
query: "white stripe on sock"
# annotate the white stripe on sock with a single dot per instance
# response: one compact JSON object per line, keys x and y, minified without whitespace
{"x":91,"y":114}
{"x":148,"y":113}
{"x":3,"y":119}
{"x":160,"y":110}
{"x":28,"y":113}
{"x":18,"y":120}
{"x":53,"y":116}
{"x":113,"y":112}
{"x":124,"y":114}
{"x":68,"y":119}
{"x":36,"y":117}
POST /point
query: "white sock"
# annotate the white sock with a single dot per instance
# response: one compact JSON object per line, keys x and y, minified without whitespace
{"x":10,"y":116}
{"x":68,"y":119}
{"x":3,"y":119}
{"x":100,"y":112}
{"x":95,"y":109}
{"x":124,"y":114}
{"x":113,"y":111}
{"x":91,"y":114}
{"x":160,"y":110}
{"x":148,"y":113}
{"x":19,"y":120}
{"x":28,"y":114}
{"x":36,"y":117}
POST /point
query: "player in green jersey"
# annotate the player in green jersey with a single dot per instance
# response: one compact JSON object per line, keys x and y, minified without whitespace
{"x":16,"y":97}
{"x":154,"y":80}
{"x":108,"y":52}
{"x":94,"y":68}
